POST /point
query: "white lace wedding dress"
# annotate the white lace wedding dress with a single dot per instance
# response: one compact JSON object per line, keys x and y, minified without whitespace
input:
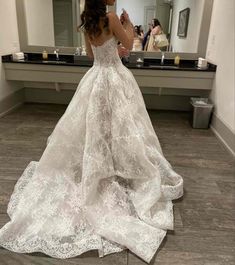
{"x":102,"y":182}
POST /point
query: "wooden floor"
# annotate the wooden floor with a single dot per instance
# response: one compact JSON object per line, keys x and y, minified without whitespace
{"x":204,"y":218}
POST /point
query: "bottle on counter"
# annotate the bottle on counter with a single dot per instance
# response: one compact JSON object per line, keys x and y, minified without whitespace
{"x":78,"y":51}
{"x":177,"y":60}
{"x":83,"y":50}
{"x":44,"y":54}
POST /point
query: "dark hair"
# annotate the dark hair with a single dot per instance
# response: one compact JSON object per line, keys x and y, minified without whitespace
{"x":156,"y":22}
{"x":94,"y":13}
{"x":141,"y":29}
{"x":138,"y":29}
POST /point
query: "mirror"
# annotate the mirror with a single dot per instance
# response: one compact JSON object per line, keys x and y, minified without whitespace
{"x":51,"y":23}
{"x":168,"y":13}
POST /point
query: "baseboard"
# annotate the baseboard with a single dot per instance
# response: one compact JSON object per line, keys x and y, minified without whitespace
{"x":224,"y":134}
{"x":11,"y":102}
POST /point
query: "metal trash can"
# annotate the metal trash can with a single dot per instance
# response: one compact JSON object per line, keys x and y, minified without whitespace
{"x":202,"y":112}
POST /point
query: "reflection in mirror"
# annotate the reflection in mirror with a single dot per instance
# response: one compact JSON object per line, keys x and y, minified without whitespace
{"x":53,"y":22}
{"x":168,"y":13}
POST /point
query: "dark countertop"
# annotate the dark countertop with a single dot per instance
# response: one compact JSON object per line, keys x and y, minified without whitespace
{"x":84,"y":61}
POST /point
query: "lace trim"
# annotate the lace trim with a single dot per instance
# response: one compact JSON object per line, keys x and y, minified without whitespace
{"x":54,"y":245}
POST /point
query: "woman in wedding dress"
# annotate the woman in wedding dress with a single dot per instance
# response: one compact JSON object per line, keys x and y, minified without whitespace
{"x":102,"y":182}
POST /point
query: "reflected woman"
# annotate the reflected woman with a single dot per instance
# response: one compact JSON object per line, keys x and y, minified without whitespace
{"x":156,"y":29}
{"x":138,"y":39}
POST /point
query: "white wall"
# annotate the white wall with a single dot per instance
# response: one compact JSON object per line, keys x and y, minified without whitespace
{"x":220,"y":50}
{"x":40,"y":22}
{"x":135,"y":9}
{"x":9,"y":42}
{"x":190,"y":43}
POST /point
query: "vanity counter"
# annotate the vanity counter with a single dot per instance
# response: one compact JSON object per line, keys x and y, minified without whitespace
{"x":149,"y":64}
{"x":151,"y":77}
{"x":185,"y":65}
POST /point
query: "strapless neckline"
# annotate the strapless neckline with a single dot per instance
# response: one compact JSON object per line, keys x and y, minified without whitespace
{"x":105,"y":42}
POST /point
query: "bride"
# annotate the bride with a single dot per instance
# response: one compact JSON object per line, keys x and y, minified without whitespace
{"x":102,"y":182}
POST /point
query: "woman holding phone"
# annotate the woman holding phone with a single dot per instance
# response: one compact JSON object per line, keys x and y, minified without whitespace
{"x":102,"y":182}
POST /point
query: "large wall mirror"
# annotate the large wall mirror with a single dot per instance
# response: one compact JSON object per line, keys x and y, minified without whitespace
{"x":53,"y":23}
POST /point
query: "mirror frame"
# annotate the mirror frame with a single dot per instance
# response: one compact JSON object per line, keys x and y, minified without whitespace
{"x":201,"y":50}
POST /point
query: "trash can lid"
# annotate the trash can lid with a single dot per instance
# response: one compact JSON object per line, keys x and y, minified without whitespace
{"x":202,"y":102}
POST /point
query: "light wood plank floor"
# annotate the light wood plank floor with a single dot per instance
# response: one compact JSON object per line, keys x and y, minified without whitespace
{"x":204,"y":218}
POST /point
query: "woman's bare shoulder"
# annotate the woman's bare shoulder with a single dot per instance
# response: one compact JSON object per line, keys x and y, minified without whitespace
{"x":112,"y":16}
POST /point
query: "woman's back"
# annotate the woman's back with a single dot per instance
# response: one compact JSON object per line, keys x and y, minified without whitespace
{"x":109,"y":27}
{"x":105,"y":35}
{"x":105,"y":53}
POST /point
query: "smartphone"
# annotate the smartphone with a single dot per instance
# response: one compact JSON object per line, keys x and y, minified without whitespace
{"x":122,"y":17}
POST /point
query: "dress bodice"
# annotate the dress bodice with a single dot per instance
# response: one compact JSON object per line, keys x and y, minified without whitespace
{"x":107,"y":53}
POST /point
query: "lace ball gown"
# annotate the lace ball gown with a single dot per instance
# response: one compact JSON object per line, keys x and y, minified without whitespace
{"x":102,"y":181}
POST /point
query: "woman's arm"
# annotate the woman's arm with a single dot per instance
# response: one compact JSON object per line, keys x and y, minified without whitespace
{"x":122,"y":51}
{"x":141,"y":36}
{"x":124,"y":33}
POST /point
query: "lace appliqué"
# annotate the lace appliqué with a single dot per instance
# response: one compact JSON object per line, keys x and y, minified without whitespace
{"x":102,"y":182}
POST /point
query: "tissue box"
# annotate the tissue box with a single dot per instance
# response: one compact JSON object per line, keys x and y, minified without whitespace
{"x":202,"y":63}
{"x":18,"y":56}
